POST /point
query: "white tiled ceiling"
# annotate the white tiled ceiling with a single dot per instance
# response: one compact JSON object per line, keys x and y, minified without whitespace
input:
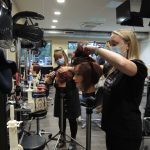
{"x":94,"y":15}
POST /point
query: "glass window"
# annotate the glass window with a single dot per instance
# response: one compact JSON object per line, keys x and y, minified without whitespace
{"x":72,"y":45}
{"x":43,"y":56}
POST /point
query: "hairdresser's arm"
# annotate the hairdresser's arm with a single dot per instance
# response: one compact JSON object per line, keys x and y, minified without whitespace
{"x":121,"y":63}
{"x":50,"y":77}
{"x":66,"y":68}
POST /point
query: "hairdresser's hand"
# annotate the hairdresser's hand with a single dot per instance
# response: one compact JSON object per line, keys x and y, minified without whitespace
{"x":64,"y":75}
{"x":59,"y":82}
{"x":90,"y":49}
{"x":65,"y":69}
{"x":49,"y":77}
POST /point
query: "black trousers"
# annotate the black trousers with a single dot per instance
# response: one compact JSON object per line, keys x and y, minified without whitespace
{"x":117,"y":143}
{"x":73,"y":126}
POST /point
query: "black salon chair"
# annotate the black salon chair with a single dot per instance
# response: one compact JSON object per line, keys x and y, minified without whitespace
{"x":37,"y":116}
{"x":35,"y":141}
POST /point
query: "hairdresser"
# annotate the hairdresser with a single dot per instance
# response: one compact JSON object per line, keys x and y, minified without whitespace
{"x":123,"y":88}
{"x":64,"y":83}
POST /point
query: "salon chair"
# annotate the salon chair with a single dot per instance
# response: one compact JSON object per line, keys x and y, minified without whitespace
{"x":35,"y":141}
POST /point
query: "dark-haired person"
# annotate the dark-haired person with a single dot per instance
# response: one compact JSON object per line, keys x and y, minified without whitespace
{"x":87,"y":74}
{"x":123,"y":87}
{"x":65,"y":84}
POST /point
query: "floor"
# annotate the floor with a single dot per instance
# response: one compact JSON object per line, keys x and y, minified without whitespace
{"x":50,"y":124}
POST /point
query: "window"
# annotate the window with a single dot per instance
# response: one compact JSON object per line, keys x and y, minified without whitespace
{"x":72,"y":45}
{"x":43,"y":56}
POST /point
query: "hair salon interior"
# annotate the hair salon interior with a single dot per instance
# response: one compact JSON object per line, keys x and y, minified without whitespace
{"x":30,"y":32}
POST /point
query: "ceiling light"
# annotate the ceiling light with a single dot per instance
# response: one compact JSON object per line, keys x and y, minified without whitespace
{"x":53,"y":27}
{"x":57,"y":13}
{"x":60,"y":1}
{"x":55,"y":21}
{"x":54,"y":32}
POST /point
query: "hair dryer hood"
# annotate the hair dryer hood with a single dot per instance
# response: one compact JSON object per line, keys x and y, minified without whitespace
{"x":27,"y":31}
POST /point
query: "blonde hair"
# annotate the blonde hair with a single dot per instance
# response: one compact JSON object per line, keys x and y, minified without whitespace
{"x":129,"y":37}
{"x":60,"y":51}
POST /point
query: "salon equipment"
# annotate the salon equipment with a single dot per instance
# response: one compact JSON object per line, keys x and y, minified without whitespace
{"x":61,"y":133}
{"x":28,"y":30}
{"x":35,"y":141}
{"x":96,"y":116}
{"x":90,"y":104}
{"x":6,"y":26}
{"x":40,"y":102}
{"x":37,"y":102}
{"x":97,"y":104}
{"x":12,"y":126}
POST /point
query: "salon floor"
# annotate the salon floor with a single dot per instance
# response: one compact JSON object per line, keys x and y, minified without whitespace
{"x":50,"y":124}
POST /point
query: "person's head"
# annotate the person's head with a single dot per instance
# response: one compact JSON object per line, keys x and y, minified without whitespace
{"x":107,"y":45}
{"x":60,"y":57}
{"x":87,"y":74}
{"x":81,"y":56}
{"x":126,"y":42}
{"x":35,"y":68}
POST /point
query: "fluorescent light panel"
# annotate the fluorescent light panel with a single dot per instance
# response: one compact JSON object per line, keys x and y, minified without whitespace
{"x":55,"y":21}
{"x":53,"y":27}
{"x":60,"y":1}
{"x":57,"y":13}
{"x":53,"y":32}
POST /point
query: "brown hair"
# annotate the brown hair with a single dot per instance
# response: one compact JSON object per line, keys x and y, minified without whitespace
{"x":91,"y":72}
{"x":36,"y":67}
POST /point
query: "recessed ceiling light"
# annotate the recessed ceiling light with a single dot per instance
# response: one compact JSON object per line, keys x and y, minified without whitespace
{"x":53,"y":27}
{"x":60,"y":1}
{"x":57,"y":13}
{"x":55,"y":21}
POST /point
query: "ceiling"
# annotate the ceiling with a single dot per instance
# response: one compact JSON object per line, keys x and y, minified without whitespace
{"x":90,"y":16}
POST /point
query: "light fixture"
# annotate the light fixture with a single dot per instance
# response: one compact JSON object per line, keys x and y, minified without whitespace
{"x":53,"y":27}
{"x":53,"y":32}
{"x":60,"y":1}
{"x":57,"y":13}
{"x":55,"y":21}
